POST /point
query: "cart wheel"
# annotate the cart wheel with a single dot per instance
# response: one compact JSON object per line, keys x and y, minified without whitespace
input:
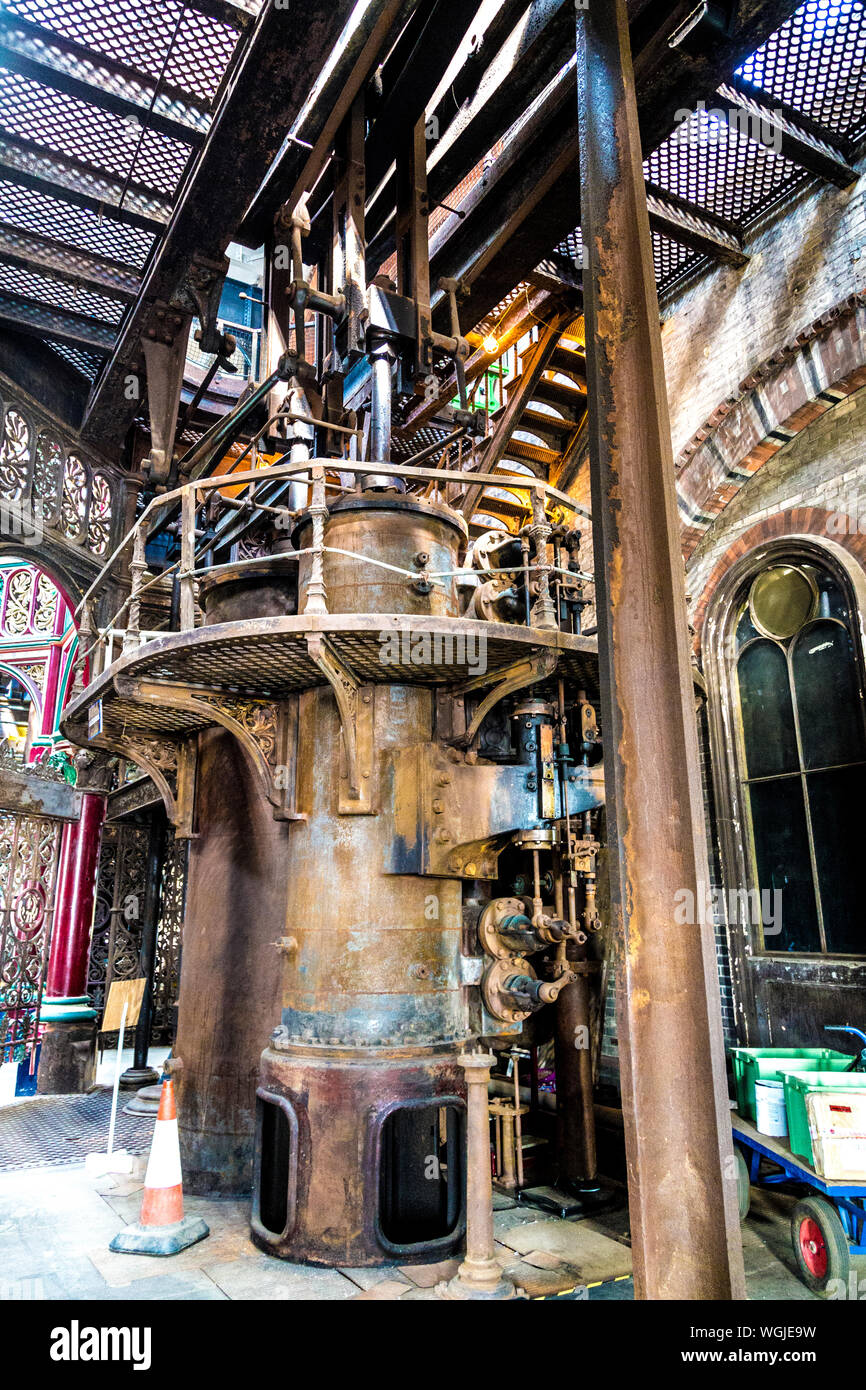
{"x":744,"y":1187}
{"x":820,"y":1243}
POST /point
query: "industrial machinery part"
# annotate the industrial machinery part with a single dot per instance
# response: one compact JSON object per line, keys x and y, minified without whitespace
{"x":366,"y":740}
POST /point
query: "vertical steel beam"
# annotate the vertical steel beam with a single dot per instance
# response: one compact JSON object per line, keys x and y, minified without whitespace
{"x":678,"y":1140}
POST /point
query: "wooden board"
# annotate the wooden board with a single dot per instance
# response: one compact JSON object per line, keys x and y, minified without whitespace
{"x":129,"y":992}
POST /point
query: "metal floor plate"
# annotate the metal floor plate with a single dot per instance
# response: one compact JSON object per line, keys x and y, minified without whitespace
{"x":50,"y":1131}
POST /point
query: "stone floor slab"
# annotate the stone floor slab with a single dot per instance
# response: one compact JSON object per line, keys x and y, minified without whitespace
{"x":591,"y":1255}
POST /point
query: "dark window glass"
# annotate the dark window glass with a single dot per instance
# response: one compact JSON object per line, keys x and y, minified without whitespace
{"x":746,"y":629}
{"x":783,"y":864}
{"x":836,"y":803}
{"x":832,"y":602}
{"x":767,"y":713}
{"x":828,"y":701}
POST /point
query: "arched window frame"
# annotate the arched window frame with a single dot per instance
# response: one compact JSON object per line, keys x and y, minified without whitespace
{"x":720,"y":654}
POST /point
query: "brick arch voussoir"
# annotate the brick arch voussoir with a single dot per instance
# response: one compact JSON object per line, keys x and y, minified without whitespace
{"x":794,"y":521}
{"x":805,"y":378}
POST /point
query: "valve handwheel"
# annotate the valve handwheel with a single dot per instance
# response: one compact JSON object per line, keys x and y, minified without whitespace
{"x":820,"y":1244}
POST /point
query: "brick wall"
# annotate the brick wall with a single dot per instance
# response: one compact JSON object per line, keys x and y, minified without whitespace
{"x":716,"y":334}
{"x":800,"y":266}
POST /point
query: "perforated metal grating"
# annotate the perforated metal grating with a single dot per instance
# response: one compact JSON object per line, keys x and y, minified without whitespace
{"x":34,"y":211}
{"x":272,"y":665}
{"x":101,"y":139}
{"x":670,"y":259}
{"x":709,"y":163}
{"x":816,"y":63}
{"x":139,"y":33}
{"x":60,"y":293}
{"x":50,"y":1131}
{"x":128,"y":84}
{"x":160,"y":56}
{"x":87,"y":364}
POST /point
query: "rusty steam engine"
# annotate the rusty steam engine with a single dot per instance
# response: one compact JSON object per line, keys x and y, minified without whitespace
{"x":376,"y":723}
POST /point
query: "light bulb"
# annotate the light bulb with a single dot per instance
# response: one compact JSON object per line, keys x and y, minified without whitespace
{"x":491,"y":345}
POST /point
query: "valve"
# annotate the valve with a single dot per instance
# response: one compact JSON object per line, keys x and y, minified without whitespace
{"x":533,"y":994}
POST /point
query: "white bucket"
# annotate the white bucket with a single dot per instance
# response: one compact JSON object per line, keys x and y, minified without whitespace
{"x":772,"y":1117}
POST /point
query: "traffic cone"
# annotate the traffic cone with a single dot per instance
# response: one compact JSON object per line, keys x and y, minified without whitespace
{"x":162,"y":1229}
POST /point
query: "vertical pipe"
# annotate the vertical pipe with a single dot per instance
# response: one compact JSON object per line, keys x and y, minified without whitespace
{"x":479,"y":1276}
{"x":73,"y":916}
{"x":187,"y":559}
{"x":678,"y":1140}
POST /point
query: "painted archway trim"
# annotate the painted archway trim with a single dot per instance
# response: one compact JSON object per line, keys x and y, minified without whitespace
{"x":795,"y":386}
{"x":795,"y":521}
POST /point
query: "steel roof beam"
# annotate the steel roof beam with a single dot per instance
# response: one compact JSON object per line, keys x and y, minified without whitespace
{"x":783,"y":132}
{"x":512,"y":244}
{"x":691,"y":226}
{"x":516,"y":73}
{"x":238,"y":14}
{"x":70,"y":175}
{"x":37,"y":369}
{"x":282,"y":59}
{"x":669,"y":79}
{"x":32,"y":251}
{"x":297,"y":168}
{"x":62,"y":192}
{"x":54,"y":78}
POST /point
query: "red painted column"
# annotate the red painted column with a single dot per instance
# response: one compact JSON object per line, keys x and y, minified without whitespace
{"x":73,"y":914}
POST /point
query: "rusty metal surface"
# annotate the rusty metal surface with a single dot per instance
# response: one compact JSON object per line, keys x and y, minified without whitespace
{"x":266,"y":589}
{"x":684,"y":1219}
{"x":340,"y":1102}
{"x":405,"y":529}
{"x":230,"y":977}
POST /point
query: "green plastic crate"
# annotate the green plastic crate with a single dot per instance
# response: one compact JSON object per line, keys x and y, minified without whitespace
{"x":797,"y":1087}
{"x":753,"y":1064}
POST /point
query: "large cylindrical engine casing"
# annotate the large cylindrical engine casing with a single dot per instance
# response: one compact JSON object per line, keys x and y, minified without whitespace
{"x":396,"y":531}
{"x":373,"y":1006}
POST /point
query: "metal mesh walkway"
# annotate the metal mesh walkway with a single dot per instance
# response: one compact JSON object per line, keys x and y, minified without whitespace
{"x":50,"y":1131}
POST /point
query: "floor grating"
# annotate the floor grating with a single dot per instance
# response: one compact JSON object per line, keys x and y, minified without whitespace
{"x":51,"y":1131}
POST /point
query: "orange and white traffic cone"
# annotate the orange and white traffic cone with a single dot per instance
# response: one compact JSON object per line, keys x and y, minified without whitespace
{"x":162,"y":1229}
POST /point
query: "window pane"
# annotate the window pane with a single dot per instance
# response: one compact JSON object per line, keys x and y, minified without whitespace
{"x":832,"y":603}
{"x":836,"y":802}
{"x":828,"y":700}
{"x":781,"y":600}
{"x":782,"y":863}
{"x":767,"y":714}
{"x":746,"y":629}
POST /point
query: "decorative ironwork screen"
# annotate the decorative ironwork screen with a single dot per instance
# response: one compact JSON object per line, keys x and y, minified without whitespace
{"x":29,"y":851}
{"x":166,"y":975}
{"x":115,"y":948}
{"x":116,"y":941}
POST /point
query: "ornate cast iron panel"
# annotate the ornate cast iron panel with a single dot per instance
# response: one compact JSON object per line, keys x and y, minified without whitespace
{"x":29,"y":848}
{"x":116,"y":943}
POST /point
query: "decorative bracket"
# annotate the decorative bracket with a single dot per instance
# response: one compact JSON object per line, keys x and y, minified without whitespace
{"x":267,"y":731}
{"x":355,"y":707}
{"x":201,"y":293}
{"x":521,"y":673}
{"x":170,"y":764}
{"x":164,"y":343}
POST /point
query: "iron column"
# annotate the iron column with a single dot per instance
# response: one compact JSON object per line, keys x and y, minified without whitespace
{"x":682,"y":1189}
